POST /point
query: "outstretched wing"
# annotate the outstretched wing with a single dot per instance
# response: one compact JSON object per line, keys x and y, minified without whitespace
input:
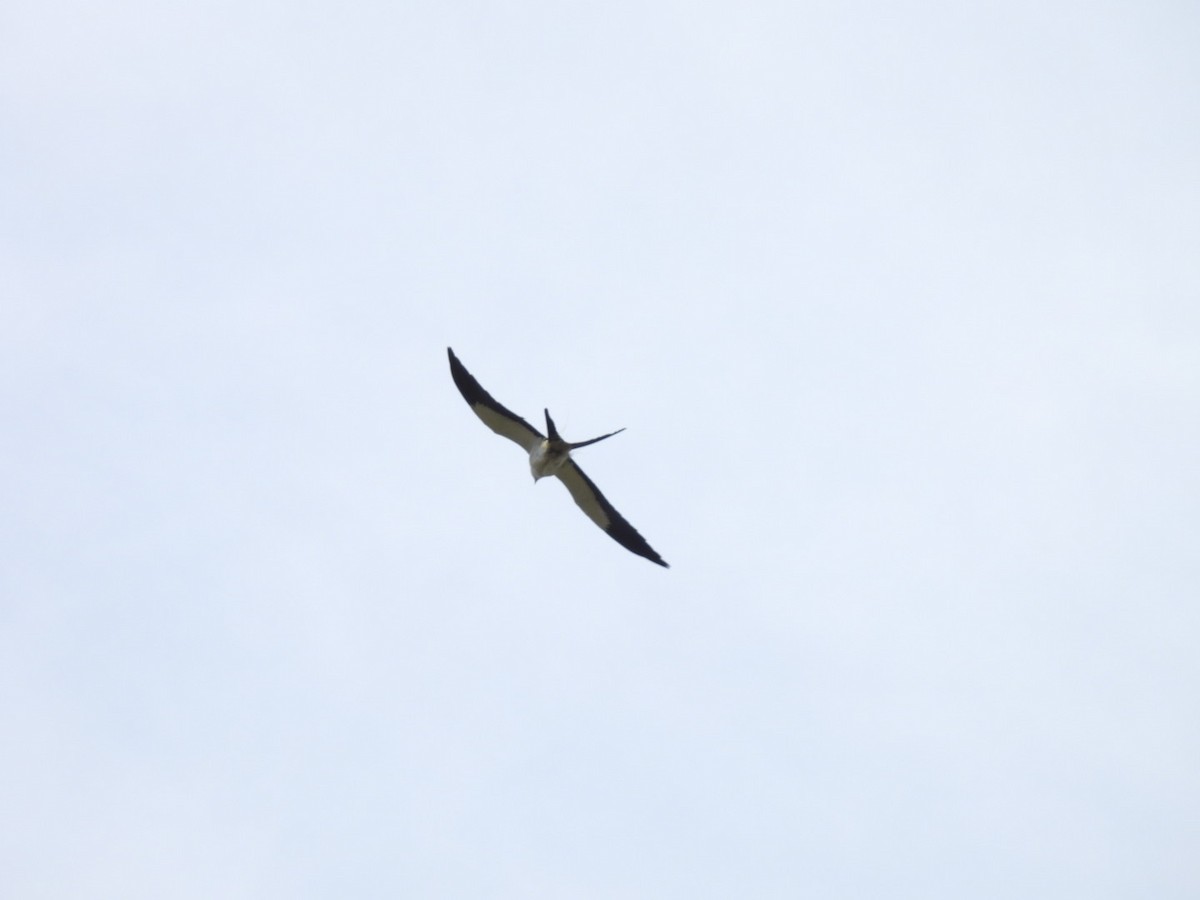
{"x":495,"y":416}
{"x":588,"y":498}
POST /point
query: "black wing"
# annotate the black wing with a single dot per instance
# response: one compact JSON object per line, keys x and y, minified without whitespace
{"x":494,"y":415}
{"x":588,"y":498}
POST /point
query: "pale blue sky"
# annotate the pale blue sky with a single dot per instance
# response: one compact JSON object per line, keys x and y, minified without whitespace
{"x":899,"y":303}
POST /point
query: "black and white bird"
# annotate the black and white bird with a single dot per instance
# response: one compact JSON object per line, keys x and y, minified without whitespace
{"x":552,"y":456}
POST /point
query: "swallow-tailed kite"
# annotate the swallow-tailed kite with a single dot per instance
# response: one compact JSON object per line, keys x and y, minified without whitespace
{"x":552,"y":456}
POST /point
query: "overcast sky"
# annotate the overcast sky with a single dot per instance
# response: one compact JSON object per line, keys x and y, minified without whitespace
{"x":899,"y":303}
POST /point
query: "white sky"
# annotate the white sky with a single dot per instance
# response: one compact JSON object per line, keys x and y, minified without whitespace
{"x":900,"y":303}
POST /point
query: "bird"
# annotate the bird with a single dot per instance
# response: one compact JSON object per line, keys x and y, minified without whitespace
{"x":552,"y":456}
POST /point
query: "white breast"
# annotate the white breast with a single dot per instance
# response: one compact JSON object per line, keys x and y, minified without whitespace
{"x":544,"y":461}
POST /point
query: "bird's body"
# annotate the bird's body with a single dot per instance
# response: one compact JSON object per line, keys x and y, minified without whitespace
{"x":551,"y":456}
{"x":546,"y":459}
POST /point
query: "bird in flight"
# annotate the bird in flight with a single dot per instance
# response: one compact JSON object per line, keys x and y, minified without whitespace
{"x":552,"y":456}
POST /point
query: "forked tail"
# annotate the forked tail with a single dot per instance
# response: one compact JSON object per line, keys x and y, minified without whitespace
{"x":554,"y":435}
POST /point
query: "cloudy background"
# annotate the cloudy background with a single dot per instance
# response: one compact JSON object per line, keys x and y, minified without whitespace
{"x":899,"y":302}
